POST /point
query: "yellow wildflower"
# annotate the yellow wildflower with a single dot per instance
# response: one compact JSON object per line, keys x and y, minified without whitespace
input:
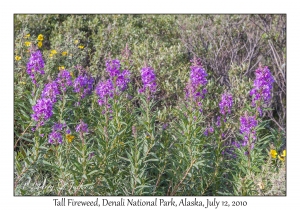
{"x":40,"y":44}
{"x":64,"y":53}
{"x":27,"y":35}
{"x":80,"y":46}
{"x":69,"y":137}
{"x":18,"y":58}
{"x":23,"y":83}
{"x":53,"y":52}
{"x":40,"y":37}
{"x":61,"y":68}
{"x":282,"y":156}
{"x":71,"y":73}
{"x":273,"y":153}
{"x":27,"y":44}
{"x":50,"y":55}
{"x":76,"y":41}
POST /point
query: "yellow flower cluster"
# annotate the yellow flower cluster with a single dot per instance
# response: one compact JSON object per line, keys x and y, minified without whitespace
{"x":281,"y":156}
{"x":27,"y":36}
{"x":64,"y":53}
{"x":69,"y":137}
{"x":17,"y":58}
{"x":40,"y":39}
{"x":76,"y":42}
{"x":27,"y":44}
{"x":40,"y":44}
{"x":53,"y":52}
{"x":80,"y":46}
{"x":61,"y":68}
{"x":273,"y":153}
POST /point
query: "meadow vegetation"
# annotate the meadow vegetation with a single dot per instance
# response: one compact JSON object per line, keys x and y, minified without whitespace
{"x":162,"y":105}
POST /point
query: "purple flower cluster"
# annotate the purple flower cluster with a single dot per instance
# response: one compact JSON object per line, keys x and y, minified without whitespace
{"x":42,"y":111}
{"x":247,"y":128}
{"x":262,"y":86}
{"x":113,"y":68}
{"x":149,"y":80}
{"x":197,"y":80}
{"x":225,"y":104}
{"x":83,"y":85}
{"x":209,"y":130}
{"x":51,"y":91}
{"x":35,"y":65}
{"x":82,"y":127}
{"x":117,"y":81}
{"x":55,"y":137}
{"x":104,"y":90}
{"x":58,"y":126}
{"x":123,"y":80}
{"x":64,"y":80}
{"x":43,"y":108}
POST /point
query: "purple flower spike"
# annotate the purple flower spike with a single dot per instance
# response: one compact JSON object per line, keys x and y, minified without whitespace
{"x":51,"y":91}
{"x":122,"y":80}
{"x":83,"y":85}
{"x":58,"y":127}
{"x":197,"y":79}
{"x":35,"y":65}
{"x":42,"y":111}
{"x":247,"y":127}
{"x":113,"y":68}
{"x":55,"y":137}
{"x":149,"y":80}
{"x":104,"y":90}
{"x":209,"y":130}
{"x":225,"y":104}
{"x":64,"y":80}
{"x":82,"y":127}
{"x":262,"y":87}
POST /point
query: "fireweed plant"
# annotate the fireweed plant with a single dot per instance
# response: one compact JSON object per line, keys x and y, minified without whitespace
{"x":114,"y":128}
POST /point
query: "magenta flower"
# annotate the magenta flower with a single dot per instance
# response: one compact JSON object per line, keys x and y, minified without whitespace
{"x":82,"y":127}
{"x":225,"y":104}
{"x":35,"y":65}
{"x":197,"y":81}
{"x":51,"y":91}
{"x":64,"y":80}
{"x":113,"y":68}
{"x":104,"y":90}
{"x":55,"y":137}
{"x":83,"y":85}
{"x":262,"y":89}
{"x":123,"y":80}
{"x":247,"y":127}
{"x":209,"y":130}
{"x":149,"y":80}
{"x":42,"y":111}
